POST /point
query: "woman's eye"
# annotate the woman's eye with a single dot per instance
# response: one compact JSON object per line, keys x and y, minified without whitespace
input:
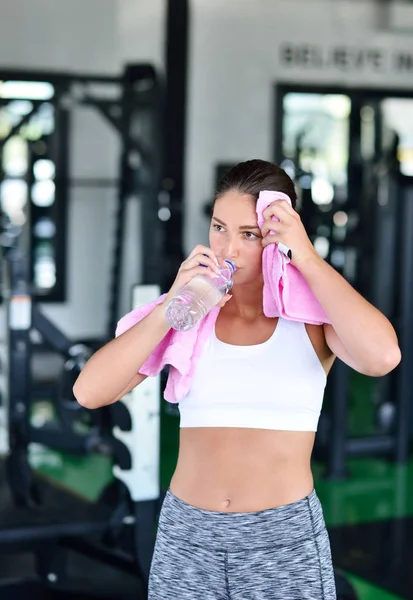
{"x":218,"y":227}
{"x":250,"y":235}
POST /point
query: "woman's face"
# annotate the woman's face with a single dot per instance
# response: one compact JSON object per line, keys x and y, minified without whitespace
{"x":234,"y":234}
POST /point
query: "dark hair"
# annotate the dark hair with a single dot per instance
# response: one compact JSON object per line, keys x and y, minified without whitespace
{"x":253,"y":176}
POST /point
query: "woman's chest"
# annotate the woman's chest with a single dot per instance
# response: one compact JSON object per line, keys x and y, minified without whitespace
{"x":238,"y":332}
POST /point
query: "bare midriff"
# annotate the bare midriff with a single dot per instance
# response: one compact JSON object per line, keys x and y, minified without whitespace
{"x":242,"y":470}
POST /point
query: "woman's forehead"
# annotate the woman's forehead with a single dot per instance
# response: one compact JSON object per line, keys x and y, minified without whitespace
{"x":234,"y":206}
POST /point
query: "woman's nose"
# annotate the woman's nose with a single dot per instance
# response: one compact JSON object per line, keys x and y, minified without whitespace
{"x":232,"y":248}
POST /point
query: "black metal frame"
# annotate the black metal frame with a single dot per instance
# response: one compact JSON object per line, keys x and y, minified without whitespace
{"x":141,"y":97}
{"x":144,"y":181}
{"x":395,"y":444}
{"x":176,"y":61}
{"x":59,"y":140}
{"x":39,"y":529}
{"x":137,"y":118}
{"x":283,"y":88}
{"x":21,"y":433}
{"x":405,"y":383}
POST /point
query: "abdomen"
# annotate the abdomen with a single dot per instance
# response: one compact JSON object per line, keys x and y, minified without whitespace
{"x":254,"y":469}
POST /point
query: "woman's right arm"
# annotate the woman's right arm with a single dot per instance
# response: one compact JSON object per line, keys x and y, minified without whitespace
{"x":114,"y":369}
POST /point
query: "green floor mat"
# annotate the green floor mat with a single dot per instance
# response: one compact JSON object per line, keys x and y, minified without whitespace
{"x":366,"y":591}
{"x":84,"y":476}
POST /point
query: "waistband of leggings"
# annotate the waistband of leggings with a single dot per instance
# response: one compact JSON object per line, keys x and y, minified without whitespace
{"x":282,"y":526}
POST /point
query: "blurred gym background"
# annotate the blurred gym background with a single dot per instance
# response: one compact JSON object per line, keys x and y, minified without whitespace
{"x":117,"y":118}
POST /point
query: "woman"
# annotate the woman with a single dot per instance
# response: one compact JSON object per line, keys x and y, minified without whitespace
{"x":241,"y":519}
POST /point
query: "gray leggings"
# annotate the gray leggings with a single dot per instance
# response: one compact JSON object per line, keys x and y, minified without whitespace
{"x":276,"y":554}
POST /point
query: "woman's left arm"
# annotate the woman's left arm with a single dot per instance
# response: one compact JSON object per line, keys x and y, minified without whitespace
{"x":359,"y":334}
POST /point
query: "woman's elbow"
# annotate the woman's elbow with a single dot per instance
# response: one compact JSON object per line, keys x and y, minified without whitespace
{"x":83,"y":398}
{"x":388,"y":362}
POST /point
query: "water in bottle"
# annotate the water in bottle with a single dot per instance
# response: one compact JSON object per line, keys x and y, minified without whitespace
{"x":197,"y":298}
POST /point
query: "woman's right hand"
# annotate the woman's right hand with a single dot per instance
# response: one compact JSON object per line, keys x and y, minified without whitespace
{"x":200,"y":255}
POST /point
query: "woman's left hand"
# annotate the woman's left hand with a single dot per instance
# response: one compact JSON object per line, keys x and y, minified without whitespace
{"x":288,"y":230}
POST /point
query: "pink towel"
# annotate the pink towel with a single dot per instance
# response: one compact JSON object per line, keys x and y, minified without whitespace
{"x":179,"y":349}
{"x":286,"y":292}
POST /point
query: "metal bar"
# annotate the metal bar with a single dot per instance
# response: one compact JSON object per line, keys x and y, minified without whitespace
{"x":143,"y":100}
{"x":336,"y":468}
{"x":146,"y":72}
{"x":110,"y":557}
{"x":142,"y":177}
{"x":145,"y":516}
{"x":6,"y":101}
{"x":147,"y":180}
{"x":116,"y":122}
{"x":381,"y":444}
{"x":404,"y":391}
{"x":54,"y":78}
{"x":385,"y":240}
{"x":118,"y":249}
{"x":91,"y":182}
{"x":19,"y":310}
{"x":61,"y":440}
{"x":174,"y":131}
{"x":52,"y":335}
{"x":31,"y":533}
{"x":103,"y":108}
{"x":15,"y":129}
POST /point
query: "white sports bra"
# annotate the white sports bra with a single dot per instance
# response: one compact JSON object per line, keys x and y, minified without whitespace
{"x":278,"y":384}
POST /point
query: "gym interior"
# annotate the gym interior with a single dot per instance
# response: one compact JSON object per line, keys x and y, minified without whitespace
{"x":117,"y":119}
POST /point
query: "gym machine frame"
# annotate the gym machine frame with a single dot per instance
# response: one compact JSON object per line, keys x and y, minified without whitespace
{"x":140,"y":172}
{"x":395,"y":444}
{"x":136,"y":115}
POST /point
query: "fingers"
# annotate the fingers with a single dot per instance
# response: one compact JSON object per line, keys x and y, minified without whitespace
{"x":274,"y":238}
{"x":224,"y":300}
{"x":280,"y":209}
{"x":270,"y":225}
{"x":284,"y":215}
{"x":188,"y":275}
{"x":199,"y":260}
{"x":200,"y":249}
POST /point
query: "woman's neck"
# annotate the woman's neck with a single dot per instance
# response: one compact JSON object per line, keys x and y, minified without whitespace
{"x":246,"y":301}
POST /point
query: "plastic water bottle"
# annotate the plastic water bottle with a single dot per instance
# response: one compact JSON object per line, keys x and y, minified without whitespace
{"x":197,"y":298}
